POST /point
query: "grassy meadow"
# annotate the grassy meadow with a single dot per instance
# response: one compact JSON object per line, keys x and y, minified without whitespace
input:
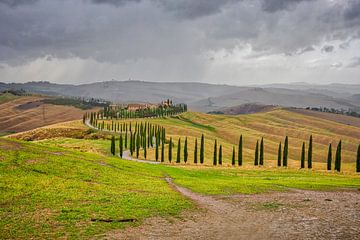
{"x":62,"y":185}
{"x":54,"y":192}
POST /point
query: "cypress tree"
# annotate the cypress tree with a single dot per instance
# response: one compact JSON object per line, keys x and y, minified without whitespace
{"x":170,"y":150}
{"x":256,"y":160}
{"x":178,"y":151}
{"x":202,"y":149}
{"x":112,"y":147}
{"x":145,"y":152}
{"x":131,"y":144}
{"x":233,"y":157}
{"x":157,"y":152}
{"x":215,"y":153}
{"x":121,"y":146}
{"x":240,"y":149}
{"x":185,"y":151}
{"x":285,"y":154}
{"x":310,"y":153}
{"x":262,"y":152}
{"x":329,"y":159}
{"x":195,"y":151}
{"x":137,"y":144}
{"x":338,"y":157}
{"x":279,"y":155}
{"x":162,"y":151}
{"x":220,"y":155}
{"x":126,"y":139}
{"x":358,"y":160}
{"x":302,"y":160}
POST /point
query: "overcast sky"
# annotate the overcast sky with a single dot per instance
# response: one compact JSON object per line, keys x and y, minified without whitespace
{"x":216,"y":41}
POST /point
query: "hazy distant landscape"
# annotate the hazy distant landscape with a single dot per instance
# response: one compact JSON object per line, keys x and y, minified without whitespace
{"x":206,"y":97}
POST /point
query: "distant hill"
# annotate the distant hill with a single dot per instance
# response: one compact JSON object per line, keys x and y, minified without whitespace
{"x":202,"y":96}
{"x":21,"y":113}
{"x":246,"y":108}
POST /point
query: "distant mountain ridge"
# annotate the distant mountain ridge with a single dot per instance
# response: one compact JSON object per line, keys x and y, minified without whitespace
{"x":203,"y":96}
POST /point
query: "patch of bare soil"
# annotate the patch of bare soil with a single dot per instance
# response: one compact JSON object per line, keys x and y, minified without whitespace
{"x":279,"y":215}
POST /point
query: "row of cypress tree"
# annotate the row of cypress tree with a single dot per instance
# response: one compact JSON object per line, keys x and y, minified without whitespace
{"x":120,"y":112}
{"x":138,"y":140}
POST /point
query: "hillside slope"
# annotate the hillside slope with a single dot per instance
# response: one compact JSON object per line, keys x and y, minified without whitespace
{"x":273,"y":126}
{"x":29,"y":112}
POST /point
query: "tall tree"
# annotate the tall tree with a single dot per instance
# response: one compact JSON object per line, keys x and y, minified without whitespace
{"x":240,"y":149}
{"x":262,"y":152}
{"x":302,"y":164}
{"x":310,"y":153}
{"x":162,"y":151}
{"x":131,"y":144}
{"x":215,"y":153}
{"x":195,"y":151}
{"x":256,"y":160}
{"x":156,"y":152}
{"x":202,"y":149}
{"x":112,"y":147}
{"x":358,"y":160}
{"x":233,"y":157}
{"x":121,"y":146}
{"x":144,"y":147}
{"x":329,"y":159}
{"x":126,"y":139}
{"x":185,"y":151}
{"x":285,"y":153}
{"x":178,"y":151}
{"x":170,"y":150}
{"x":220,"y":155}
{"x":338,"y":157}
{"x":137,"y":144}
{"x":279,"y":155}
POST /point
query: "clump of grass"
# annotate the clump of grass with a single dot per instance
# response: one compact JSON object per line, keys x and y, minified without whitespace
{"x":271,"y":206}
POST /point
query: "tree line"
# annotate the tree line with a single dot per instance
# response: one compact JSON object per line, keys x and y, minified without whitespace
{"x":139,"y":111}
{"x":140,"y":139}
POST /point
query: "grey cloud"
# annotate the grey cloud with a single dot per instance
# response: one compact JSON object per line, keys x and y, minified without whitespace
{"x":352,"y":10}
{"x":14,"y":3}
{"x":151,"y":29}
{"x":306,"y":49}
{"x":114,"y":2}
{"x":194,"y":9}
{"x":355,"y":63}
{"x":277,"y":5}
{"x":327,"y":48}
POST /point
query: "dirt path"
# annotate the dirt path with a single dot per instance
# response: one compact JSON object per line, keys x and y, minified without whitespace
{"x":288,"y":215}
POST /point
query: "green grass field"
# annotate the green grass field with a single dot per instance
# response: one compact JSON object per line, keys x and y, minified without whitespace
{"x":54,"y":192}
{"x":54,"y":187}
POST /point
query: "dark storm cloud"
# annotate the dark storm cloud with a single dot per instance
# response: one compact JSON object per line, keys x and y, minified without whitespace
{"x":194,"y":9}
{"x":114,"y":2}
{"x":14,"y":3}
{"x":277,"y":5}
{"x":352,"y":10}
{"x":327,"y":48}
{"x":164,"y":30}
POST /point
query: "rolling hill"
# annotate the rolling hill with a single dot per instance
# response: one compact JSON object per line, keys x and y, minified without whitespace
{"x":272,"y":125}
{"x":204,"y":97}
{"x":21,"y":113}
